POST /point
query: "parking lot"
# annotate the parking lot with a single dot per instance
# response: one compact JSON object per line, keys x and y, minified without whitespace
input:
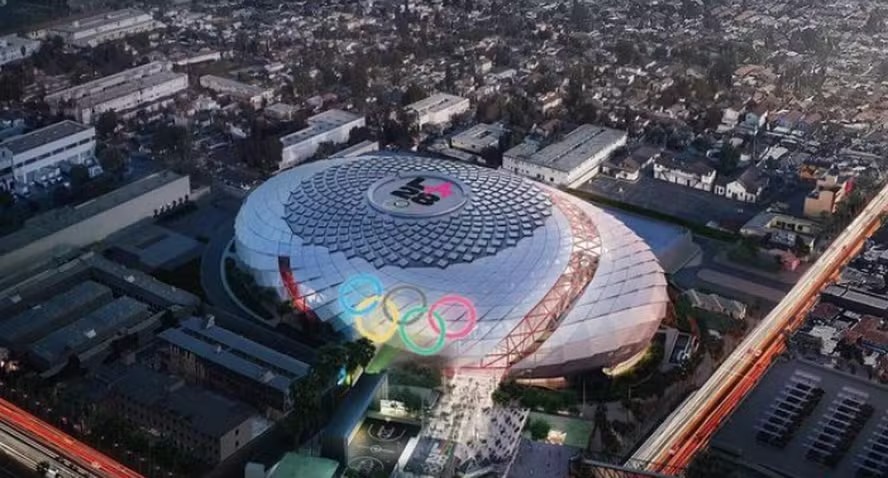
{"x":686,"y":203}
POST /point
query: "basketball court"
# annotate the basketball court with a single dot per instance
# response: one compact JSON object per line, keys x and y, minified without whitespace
{"x":377,"y":446}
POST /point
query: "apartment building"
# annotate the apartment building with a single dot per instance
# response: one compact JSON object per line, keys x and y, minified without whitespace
{"x":204,"y":424}
{"x":206,"y":353}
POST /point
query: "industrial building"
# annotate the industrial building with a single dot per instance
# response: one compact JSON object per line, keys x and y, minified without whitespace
{"x":91,"y":31}
{"x":146,"y":87}
{"x":539,"y":283}
{"x":251,"y":94}
{"x":438,"y":109}
{"x":64,"y":229}
{"x":38,"y":155}
{"x":79,"y":308}
{"x":214,"y":356}
{"x":574,"y":159}
{"x":14,"y":48}
{"x":113,"y":319}
{"x":200,"y":422}
{"x":331,"y":126}
{"x":478,"y":138}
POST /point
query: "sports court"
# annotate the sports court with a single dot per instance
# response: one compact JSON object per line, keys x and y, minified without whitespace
{"x":377,"y":446}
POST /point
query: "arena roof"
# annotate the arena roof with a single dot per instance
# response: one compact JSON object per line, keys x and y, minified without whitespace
{"x":578,"y":286}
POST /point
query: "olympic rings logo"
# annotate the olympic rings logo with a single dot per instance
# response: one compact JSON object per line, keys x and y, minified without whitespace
{"x":371,"y":294}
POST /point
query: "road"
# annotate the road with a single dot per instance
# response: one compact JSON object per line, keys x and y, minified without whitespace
{"x":688,"y":429}
{"x":30,"y":452}
{"x":36,"y":438}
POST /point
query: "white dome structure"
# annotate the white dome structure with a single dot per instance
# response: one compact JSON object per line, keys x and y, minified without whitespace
{"x":523,"y":278}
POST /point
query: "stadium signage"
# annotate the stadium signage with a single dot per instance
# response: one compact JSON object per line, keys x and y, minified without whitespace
{"x":363,"y":296}
{"x":417,"y":194}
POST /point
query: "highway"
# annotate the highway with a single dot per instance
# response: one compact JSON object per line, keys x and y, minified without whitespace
{"x":26,"y":438}
{"x":688,"y":429}
{"x":29,"y":452}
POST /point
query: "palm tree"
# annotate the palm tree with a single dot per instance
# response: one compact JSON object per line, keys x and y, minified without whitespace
{"x":359,"y":353}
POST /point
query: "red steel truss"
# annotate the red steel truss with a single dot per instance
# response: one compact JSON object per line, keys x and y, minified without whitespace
{"x":292,"y":286}
{"x":539,"y":324}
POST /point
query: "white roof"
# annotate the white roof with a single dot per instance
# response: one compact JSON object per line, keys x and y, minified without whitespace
{"x":614,"y":316}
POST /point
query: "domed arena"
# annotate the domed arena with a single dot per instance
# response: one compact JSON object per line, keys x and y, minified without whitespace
{"x":480,"y":268}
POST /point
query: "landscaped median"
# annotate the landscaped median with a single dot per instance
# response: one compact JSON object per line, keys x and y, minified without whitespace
{"x":699,"y":229}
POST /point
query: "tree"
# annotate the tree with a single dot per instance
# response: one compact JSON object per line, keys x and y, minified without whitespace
{"x":113,"y":160}
{"x":79,"y":175}
{"x":625,"y":52}
{"x":173,"y":143}
{"x":728,"y":159}
{"x":539,"y":429}
{"x":357,"y":135}
{"x":359,"y":353}
{"x":413,"y":94}
{"x":107,"y":123}
{"x":6,"y":199}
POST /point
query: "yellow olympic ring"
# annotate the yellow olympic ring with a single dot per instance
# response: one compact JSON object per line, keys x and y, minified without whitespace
{"x":392,"y":329}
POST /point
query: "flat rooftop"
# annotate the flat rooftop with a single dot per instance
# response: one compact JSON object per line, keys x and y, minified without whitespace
{"x":236,"y":353}
{"x":770,"y":409}
{"x":129,"y":87}
{"x":242,"y":88}
{"x":204,"y":410}
{"x":480,"y":134}
{"x":49,"y":313}
{"x":436,"y":102}
{"x":91,"y":22}
{"x":94,"y":327}
{"x":90,"y":87}
{"x":43,"y":136}
{"x":320,"y":123}
{"x":581,"y":144}
{"x":58,"y":219}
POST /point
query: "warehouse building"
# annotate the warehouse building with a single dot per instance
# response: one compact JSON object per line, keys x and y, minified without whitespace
{"x":91,"y":31}
{"x":573,"y":160}
{"x":64,"y":229}
{"x":143,"y":88}
{"x":79,"y":308}
{"x":438,"y":109}
{"x":111,"y":320}
{"x":38,"y":155}
{"x":251,"y":94}
{"x":331,"y":126}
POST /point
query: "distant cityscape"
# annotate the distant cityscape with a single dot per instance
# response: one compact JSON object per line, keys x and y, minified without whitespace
{"x":443,"y":238}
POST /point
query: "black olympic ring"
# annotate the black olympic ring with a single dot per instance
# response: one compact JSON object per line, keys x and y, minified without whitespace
{"x":391,"y":292}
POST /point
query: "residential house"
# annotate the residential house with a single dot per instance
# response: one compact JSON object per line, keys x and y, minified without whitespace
{"x":831,"y":189}
{"x":747,"y":187}
{"x":628,"y":166}
{"x":690,"y":172}
{"x":756,"y":117}
{"x":716,"y":304}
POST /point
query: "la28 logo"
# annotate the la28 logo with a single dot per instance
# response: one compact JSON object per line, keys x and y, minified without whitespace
{"x":424,"y":195}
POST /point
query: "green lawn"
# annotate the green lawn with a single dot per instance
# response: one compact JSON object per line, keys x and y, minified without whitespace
{"x":384,"y":357}
{"x":577,"y":429}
